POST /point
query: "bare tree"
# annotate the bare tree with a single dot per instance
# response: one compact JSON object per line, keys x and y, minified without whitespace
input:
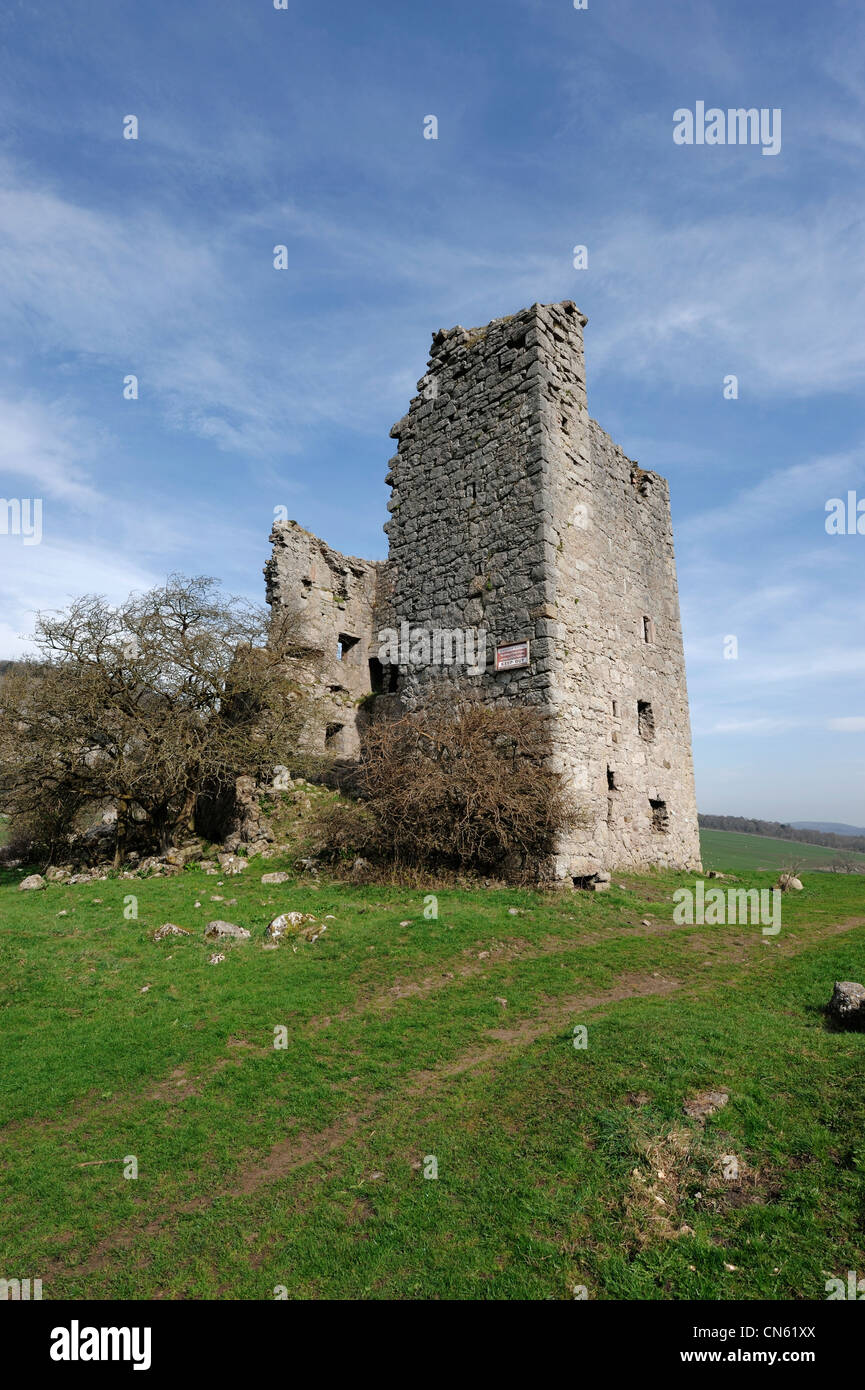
{"x":143,"y":705}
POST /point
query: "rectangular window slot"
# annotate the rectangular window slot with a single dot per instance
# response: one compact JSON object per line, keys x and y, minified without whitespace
{"x":331,"y":735}
{"x":612,"y":780}
{"x":648,"y":630}
{"x":645,"y":720}
{"x":344,"y":644}
{"x":660,"y":816}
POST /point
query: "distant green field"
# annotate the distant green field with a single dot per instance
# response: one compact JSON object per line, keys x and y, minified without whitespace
{"x":728,"y":849}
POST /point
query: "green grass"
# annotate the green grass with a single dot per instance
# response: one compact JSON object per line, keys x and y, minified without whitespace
{"x":730,"y":849}
{"x":257,"y":1166}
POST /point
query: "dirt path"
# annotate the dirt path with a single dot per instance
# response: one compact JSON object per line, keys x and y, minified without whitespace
{"x":297,"y":1150}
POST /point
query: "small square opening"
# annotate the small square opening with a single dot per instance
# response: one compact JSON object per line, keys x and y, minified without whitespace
{"x":344,"y":644}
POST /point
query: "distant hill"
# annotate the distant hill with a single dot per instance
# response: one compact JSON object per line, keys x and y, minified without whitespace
{"x":726,"y":849}
{"x":831,"y":827}
{"x":745,"y":825}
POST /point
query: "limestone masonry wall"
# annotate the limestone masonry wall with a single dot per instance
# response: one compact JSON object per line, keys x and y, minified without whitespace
{"x":331,"y":598}
{"x":514,"y":513}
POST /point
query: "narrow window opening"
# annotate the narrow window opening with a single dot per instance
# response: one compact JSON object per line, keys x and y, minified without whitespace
{"x":615,"y":709}
{"x":344,"y":644}
{"x":331,"y":735}
{"x":660,"y":816}
{"x":376,"y":676}
{"x":612,"y":780}
{"x":471,"y":492}
{"x":645,"y":720}
{"x":648,"y":629}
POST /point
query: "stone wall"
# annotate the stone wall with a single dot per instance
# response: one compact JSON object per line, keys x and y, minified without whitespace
{"x":332,"y":597}
{"x":623,"y":731}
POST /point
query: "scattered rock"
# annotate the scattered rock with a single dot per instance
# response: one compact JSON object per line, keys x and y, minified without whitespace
{"x":500,"y":1000}
{"x":232,"y":863}
{"x":280,"y":877}
{"x":405,"y":924}
{"x":169,"y":929}
{"x":705,"y":1104}
{"x":182,"y":855}
{"x":218,"y":928}
{"x":31,"y":883}
{"x":787,"y":881}
{"x":301,"y":924}
{"x":216,"y":960}
{"x":847,"y":1005}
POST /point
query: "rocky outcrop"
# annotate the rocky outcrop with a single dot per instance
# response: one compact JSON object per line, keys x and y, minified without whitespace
{"x":846,"y":1008}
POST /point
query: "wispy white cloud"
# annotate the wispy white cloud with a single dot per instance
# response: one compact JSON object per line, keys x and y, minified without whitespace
{"x":45,"y":449}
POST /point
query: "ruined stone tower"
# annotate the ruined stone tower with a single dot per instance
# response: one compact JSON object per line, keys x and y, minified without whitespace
{"x":515,"y":516}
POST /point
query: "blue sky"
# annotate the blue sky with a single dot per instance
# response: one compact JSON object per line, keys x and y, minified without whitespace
{"x":262,"y":388}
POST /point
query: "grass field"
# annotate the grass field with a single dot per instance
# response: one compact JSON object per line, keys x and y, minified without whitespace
{"x":727,"y":849}
{"x":302,"y":1168}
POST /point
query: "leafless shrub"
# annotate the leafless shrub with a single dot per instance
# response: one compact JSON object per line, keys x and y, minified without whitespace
{"x":462,"y":787}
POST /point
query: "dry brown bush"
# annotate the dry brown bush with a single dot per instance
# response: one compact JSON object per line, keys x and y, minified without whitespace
{"x":459,"y":787}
